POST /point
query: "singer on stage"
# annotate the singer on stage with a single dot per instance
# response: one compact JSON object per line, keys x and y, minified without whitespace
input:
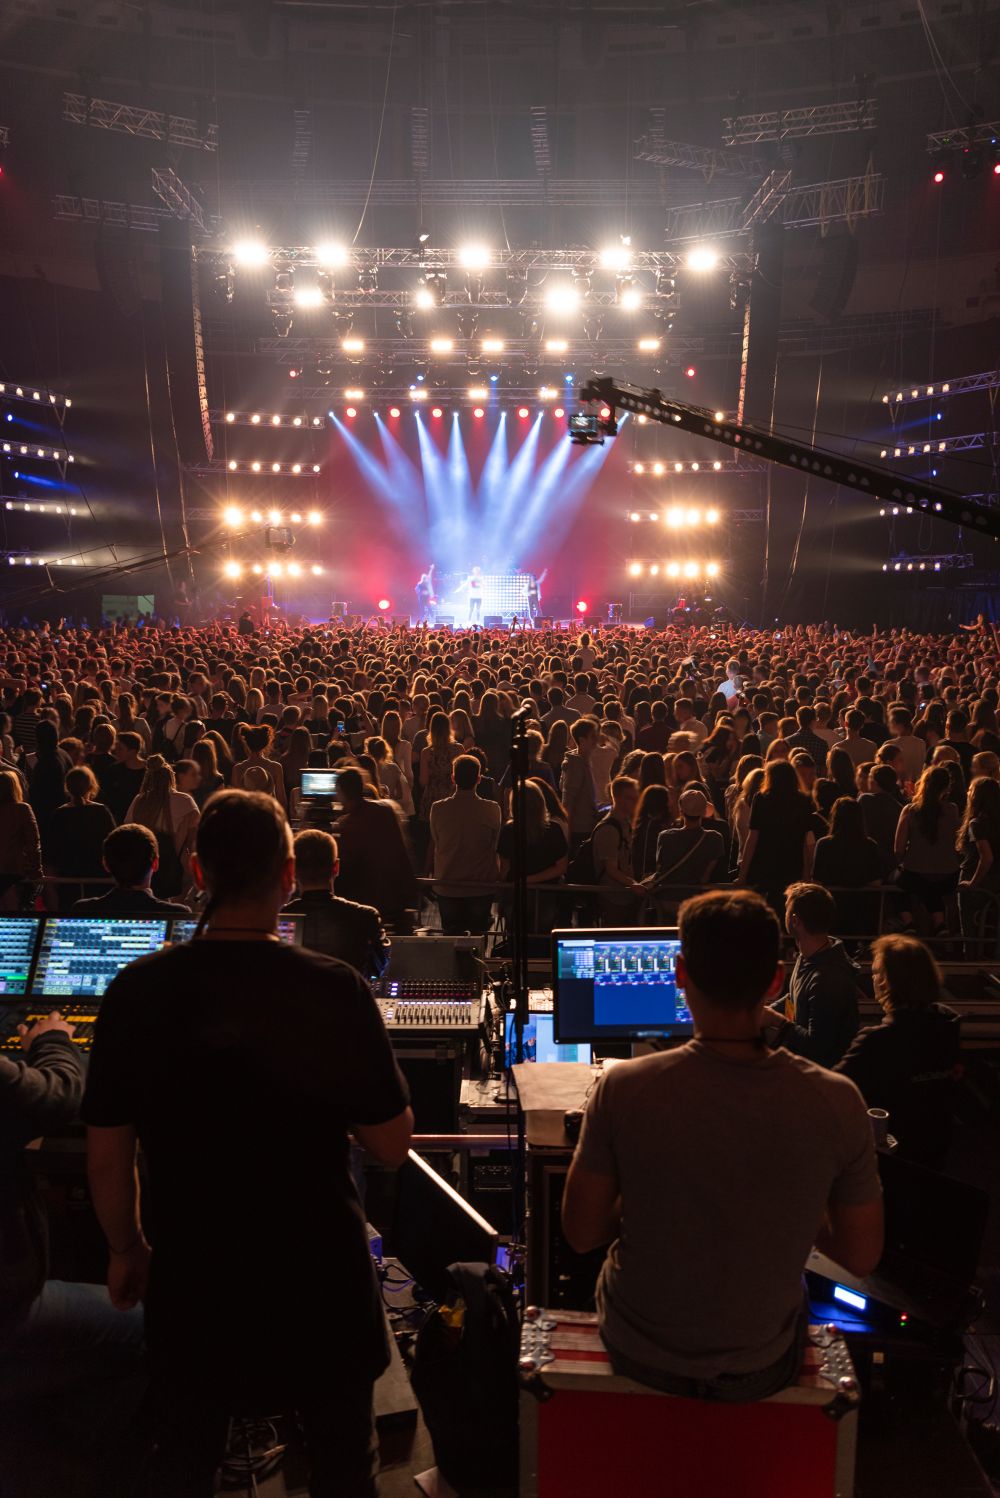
{"x":425,"y":596}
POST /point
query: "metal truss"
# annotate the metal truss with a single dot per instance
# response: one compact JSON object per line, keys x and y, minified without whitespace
{"x":811,"y":462}
{"x":797,"y":124}
{"x":420,"y":140}
{"x":965,"y":135}
{"x":36,"y":395}
{"x":934,"y":562}
{"x":738,"y":468}
{"x":988,"y":379}
{"x":301,"y":143}
{"x":540,"y":143}
{"x":967,"y":442}
{"x":128,"y":119}
{"x":766,"y":201}
{"x":706,"y":159}
{"x":33,"y":452}
{"x":449,"y":258}
{"x":104,"y":211}
{"x":486,"y":192}
{"x":179,"y":199}
{"x":804,"y":207}
{"x":260,"y":468}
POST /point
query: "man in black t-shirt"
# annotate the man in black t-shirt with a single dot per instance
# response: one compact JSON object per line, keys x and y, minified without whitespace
{"x":240,"y":1065}
{"x":131,"y":856}
{"x":340,"y":928}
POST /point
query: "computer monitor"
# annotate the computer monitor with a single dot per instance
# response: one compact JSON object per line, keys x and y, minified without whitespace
{"x":289,"y":929}
{"x":617,"y":985}
{"x":18,"y":939}
{"x":539,"y":1042}
{"x":80,"y":955}
{"x":319,"y":785}
{"x":432,"y":1227}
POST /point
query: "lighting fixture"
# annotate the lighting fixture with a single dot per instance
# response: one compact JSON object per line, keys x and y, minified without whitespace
{"x":702,"y":258}
{"x":274,"y":516}
{"x":423,"y":298}
{"x":478,"y":392}
{"x":353,"y":395}
{"x":441,"y":345}
{"x":232,"y":569}
{"x":316,"y":569}
{"x":394,"y":412}
{"x":308,"y":298}
{"x":635,"y":569}
{"x":546,"y":393}
{"x":353,"y":345}
{"x":523,"y":412}
{"x":332,"y":255}
{"x":616,"y":257}
{"x":250,"y":252}
{"x":557,"y":346}
{"x":628,"y":294}
{"x":233,"y":516}
{"x":648,"y":345}
{"x":562,"y":298}
{"x":492,"y":345}
{"x":474,"y":256}
{"x":417,"y":394}
{"x":314,"y":517}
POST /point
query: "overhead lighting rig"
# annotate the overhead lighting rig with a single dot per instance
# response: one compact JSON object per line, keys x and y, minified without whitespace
{"x":30,"y":450}
{"x":276,"y":420}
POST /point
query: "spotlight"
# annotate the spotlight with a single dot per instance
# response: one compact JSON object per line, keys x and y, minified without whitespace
{"x":294,"y":570}
{"x":492,"y":345}
{"x":384,"y":604}
{"x":416,"y":394}
{"x":276,"y":421}
{"x":351,"y":412}
{"x":478,"y":393}
{"x":523,"y":412}
{"x":274,"y":516}
{"x":255,"y":419}
{"x":628,"y":295}
{"x":479,"y":412}
{"x":316,"y":569}
{"x":557,"y":346}
{"x":423,"y":235}
{"x":673,"y":569}
{"x":658,"y":469}
{"x":717,"y":466}
{"x":562,"y":298}
{"x":654,"y":571}
{"x":703,"y":258}
{"x":295,"y":518}
{"x":232,"y":569}
{"x":711,"y":517}
{"x":224,"y":285}
{"x":349,"y":395}
{"x":256,"y":569}
{"x":368,"y":279}
{"x":436,"y":411}
{"x":249,"y":253}
{"x":282,"y":322}
{"x":332,"y":255}
{"x":394,"y":412}
{"x":441,"y":345}
{"x":559,"y":413}
{"x":546,"y":393}
{"x":474,"y":256}
{"x":675,"y":517}
{"x":616,"y":257}
{"x":635,"y":570}
{"x":648,"y":345}
{"x":712,"y":570}
{"x":582,"y":605}
{"x":634,"y":516}
{"x":690,"y":372}
{"x":693,"y":517}
{"x":284,"y":279}
{"x":353,"y":345}
{"x":516,"y":287}
{"x":308,"y":297}
{"x":232,"y":516}
{"x":314,"y":517}
{"x":938,"y":177}
{"x":276,"y":569}
{"x":255,"y":467}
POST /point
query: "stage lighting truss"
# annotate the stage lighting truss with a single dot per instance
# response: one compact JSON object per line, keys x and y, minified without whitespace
{"x":39,"y":507}
{"x":658,"y":469}
{"x":283,"y":421}
{"x":130,"y":119}
{"x":678,"y":517}
{"x":963,"y":138}
{"x":296,"y":571}
{"x":258,"y":467}
{"x":23,"y":559}
{"x":988,"y":379}
{"x":939,"y":562}
{"x":675,"y":569}
{"x":967,"y":442}
{"x":798,"y":124}
{"x":36,"y":395}
{"x":237,"y":518}
{"x":34,"y":453}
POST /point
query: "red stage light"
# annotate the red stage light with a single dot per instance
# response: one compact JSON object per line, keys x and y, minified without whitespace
{"x":437,"y":411}
{"x":351,"y":411}
{"x":478,"y":412}
{"x":582,"y":606}
{"x":558,"y":413}
{"x":996,"y":170}
{"x":523,"y":412}
{"x":293,"y":374}
{"x":605,"y":413}
{"x":384,"y":603}
{"x":690,"y":371}
{"x":939,"y":177}
{"x":393,"y":411}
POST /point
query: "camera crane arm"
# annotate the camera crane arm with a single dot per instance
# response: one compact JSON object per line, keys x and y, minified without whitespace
{"x":813,"y":462}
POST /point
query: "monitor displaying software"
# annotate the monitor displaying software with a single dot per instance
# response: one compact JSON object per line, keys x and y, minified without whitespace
{"x":79,"y":956}
{"x":319,"y":785}
{"x":617,"y":986}
{"x":289,"y":929}
{"x":18,"y":935}
{"x":539,"y":1042}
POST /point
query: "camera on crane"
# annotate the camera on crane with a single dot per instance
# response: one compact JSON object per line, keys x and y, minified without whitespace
{"x":586,"y":429}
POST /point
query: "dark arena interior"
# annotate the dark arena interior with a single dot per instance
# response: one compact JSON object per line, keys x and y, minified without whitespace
{"x":499,"y":748}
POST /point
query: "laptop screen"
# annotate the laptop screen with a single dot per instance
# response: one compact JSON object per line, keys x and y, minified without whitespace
{"x":319,"y":785}
{"x":617,"y":985}
{"x":540,"y":1043}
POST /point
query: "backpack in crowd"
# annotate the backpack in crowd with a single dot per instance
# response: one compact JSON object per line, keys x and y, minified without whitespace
{"x":582,"y":868}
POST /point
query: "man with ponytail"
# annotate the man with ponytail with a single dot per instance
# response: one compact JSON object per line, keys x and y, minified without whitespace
{"x":241,"y":1065}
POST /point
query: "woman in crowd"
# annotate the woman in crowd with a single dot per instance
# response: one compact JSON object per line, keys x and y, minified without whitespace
{"x":46,"y":777}
{"x":653,"y":816}
{"x":461,"y":727}
{"x":840,"y":769}
{"x":205,"y":756}
{"x":781,"y":840}
{"x":20,"y":848}
{"x":979,"y":849}
{"x":296,"y":757}
{"x":556,"y":746}
{"x":744,"y":765}
{"x":400,"y":748}
{"x":926,"y":838}
{"x":258,"y":741}
{"x":76,"y":836}
{"x":492,"y":731}
{"x":547,"y":848}
{"x":848,"y":859}
{"x":436,"y":761}
{"x":391,"y":778}
{"x":718,"y":756}
{"x":740,"y":818}
{"x":173,"y":816}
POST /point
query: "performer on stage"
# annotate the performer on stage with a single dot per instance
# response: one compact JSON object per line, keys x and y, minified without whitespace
{"x":425,"y":597}
{"x":535,"y":595}
{"x":475,"y":587}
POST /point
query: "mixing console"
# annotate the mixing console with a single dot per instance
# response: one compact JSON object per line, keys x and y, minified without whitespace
{"x":82,"y":1017}
{"x":409,"y":1004}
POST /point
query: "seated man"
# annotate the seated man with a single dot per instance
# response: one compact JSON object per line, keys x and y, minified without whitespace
{"x":131,"y":856}
{"x":712,"y":1170}
{"x":340,"y":928}
{"x":824,"y":987}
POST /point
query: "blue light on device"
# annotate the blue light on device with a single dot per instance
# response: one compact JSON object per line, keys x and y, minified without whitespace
{"x":850,"y":1297}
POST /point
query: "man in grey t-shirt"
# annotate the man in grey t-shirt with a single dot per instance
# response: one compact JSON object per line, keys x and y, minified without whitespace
{"x":712,"y":1170}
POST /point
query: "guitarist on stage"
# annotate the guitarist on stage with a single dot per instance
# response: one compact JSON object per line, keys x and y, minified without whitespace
{"x":425,"y":597}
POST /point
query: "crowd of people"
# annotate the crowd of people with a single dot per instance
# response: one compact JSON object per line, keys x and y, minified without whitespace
{"x":806,"y":788}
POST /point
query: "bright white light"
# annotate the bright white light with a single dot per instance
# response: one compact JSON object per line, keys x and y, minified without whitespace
{"x":276,"y":421}
{"x":648,"y":345}
{"x":474,"y":256}
{"x":332,"y":255}
{"x":717,"y":465}
{"x":691,"y":569}
{"x":353,"y":345}
{"x":257,"y":569}
{"x":675,"y":518}
{"x":423,"y":298}
{"x":255,"y":467}
{"x":562,"y":298}
{"x":233,"y":569}
{"x":232,"y":515}
{"x":314,"y":518}
{"x":658,"y":469}
{"x":255,"y":419}
{"x":712,"y":570}
{"x":546,"y":393}
{"x":478,"y":393}
{"x":274,"y":516}
{"x":308,"y":297}
{"x":693,"y":517}
{"x":712,"y":517}
{"x":556,"y":345}
{"x":492,"y":345}
{"x":256,"y":517}
{"x":634,"y":516}
{"x":418,"y":393}
{"x":294,"y":570}
{"x":250,"y":252}
{"x":673,"y":570}
{"x":616,"y":257}
{"x":654,"y":571}
{"x":635,"y":570}
{"x":316,"y":569}
{"x":630,"y":299}
{"x":441,"y":345}
{"x":230,"y":416}
{"x":354,"y":395}
{"x":703,"y":258}
{"x":276,"y":569}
